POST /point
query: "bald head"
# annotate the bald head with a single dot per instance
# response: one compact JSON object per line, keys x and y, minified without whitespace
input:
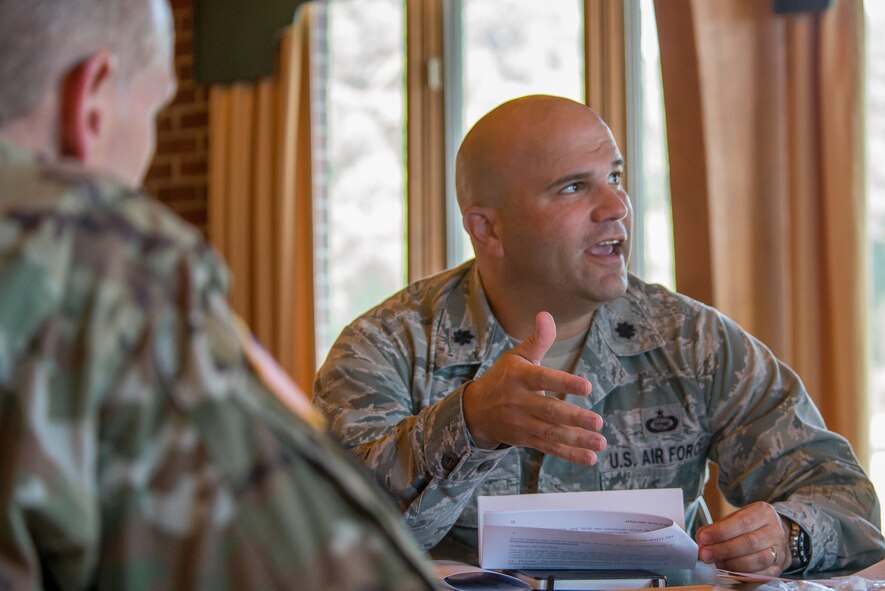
{"x":505,"y":145}
{"x":540,"y":188}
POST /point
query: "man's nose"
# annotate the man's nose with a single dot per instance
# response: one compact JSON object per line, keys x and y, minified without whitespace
{"x":613,"y":205}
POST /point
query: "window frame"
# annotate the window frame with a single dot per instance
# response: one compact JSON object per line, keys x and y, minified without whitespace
{"x":432,"y":75}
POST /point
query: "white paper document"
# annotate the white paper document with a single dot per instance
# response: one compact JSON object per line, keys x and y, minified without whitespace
{"x":604,"y":530}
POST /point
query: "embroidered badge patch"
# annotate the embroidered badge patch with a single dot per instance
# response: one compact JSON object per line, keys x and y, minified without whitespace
{"x":661,"y":419}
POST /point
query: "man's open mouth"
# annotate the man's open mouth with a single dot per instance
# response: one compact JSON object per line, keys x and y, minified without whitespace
{"x":611,"y":247}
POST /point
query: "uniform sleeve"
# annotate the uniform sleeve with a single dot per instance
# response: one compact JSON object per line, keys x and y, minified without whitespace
{"x":375,"y":396}
{"x":145,"y":451}
{"x":772,"y":445}
{"x":51,"y":517}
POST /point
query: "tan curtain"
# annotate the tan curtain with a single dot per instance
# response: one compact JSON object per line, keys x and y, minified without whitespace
{"x":260,"y":206}
{"x":764,"y":117}
{"x":605,"y":81}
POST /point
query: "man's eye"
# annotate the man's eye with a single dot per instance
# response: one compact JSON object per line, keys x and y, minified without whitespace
{"x":615,"y":178}
{"x":571,"y":188}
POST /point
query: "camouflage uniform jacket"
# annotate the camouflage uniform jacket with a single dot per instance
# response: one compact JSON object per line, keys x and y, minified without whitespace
{"x":139,"y":448}
{"x":676,"y":382}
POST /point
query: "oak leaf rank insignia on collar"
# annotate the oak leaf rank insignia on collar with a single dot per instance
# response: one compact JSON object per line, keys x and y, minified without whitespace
{"x":462,"y":337}
{"x":625,"y":330}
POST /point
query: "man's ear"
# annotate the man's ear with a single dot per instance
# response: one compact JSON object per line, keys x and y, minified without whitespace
{"x":482,"y":225}
{"x":86,"y":104}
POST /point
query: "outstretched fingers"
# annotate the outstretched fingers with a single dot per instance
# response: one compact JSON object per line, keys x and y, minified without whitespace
{"x":557,"y":412}
{"x":508,"y":404}
{"x":551,"y":380}
{"x":571,"y":443}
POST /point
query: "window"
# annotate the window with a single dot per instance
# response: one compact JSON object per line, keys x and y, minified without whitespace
{"x":499,"y":50}
{"x":427,"y":70}
{"x":875,"y":143}
{"x":360,"y":182}
{"x":647,"y":164}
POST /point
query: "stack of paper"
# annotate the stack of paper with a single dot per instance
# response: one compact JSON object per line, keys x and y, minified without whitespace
{"x":632,"y":529}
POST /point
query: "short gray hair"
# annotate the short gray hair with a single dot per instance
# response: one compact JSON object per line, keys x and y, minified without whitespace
{"x":41,"y":40}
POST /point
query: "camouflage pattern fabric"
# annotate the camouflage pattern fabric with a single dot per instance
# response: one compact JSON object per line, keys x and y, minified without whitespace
{"x":139,"y":448}
{"x":676,"y":382}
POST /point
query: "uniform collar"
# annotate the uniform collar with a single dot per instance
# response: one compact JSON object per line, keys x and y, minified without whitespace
{"x":468,"y":332}
{"x":626,"y":322}
{"x":621,"y":328}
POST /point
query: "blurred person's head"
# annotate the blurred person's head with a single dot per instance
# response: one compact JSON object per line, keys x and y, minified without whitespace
{"x":85,"y":79}
{"x":539,"y":185}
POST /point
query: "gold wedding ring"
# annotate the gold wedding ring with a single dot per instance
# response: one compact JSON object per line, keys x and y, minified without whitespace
{"x":773,"y":551}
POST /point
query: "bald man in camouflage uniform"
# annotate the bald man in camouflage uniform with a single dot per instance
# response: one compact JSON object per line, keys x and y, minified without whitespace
{"x":147,"y":442}
{"x":543,"y":366}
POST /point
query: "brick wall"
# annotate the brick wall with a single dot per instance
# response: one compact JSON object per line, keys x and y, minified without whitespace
{"x":179,"y":172}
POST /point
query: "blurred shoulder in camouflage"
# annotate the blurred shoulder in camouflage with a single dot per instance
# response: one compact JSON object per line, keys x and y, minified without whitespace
{"x":457,"y":386}
{"x":141,"y":447}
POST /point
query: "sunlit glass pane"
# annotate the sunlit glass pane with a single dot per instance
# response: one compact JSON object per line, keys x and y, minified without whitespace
{"x":653,"y":228}
{"x":512,"y":48}
{"x":875,"y":144}
{"x":362,"y":163}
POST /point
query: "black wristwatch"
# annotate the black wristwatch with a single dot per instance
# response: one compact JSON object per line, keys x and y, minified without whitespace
{"x":800,"y":547}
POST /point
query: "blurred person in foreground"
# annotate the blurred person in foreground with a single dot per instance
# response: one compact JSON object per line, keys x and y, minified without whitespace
{"x":544,"y":366}
{"x":147,"y":442}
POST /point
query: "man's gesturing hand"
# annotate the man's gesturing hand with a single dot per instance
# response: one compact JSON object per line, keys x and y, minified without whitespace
{"x":508,"y":403}
{"x":753,"y":539}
